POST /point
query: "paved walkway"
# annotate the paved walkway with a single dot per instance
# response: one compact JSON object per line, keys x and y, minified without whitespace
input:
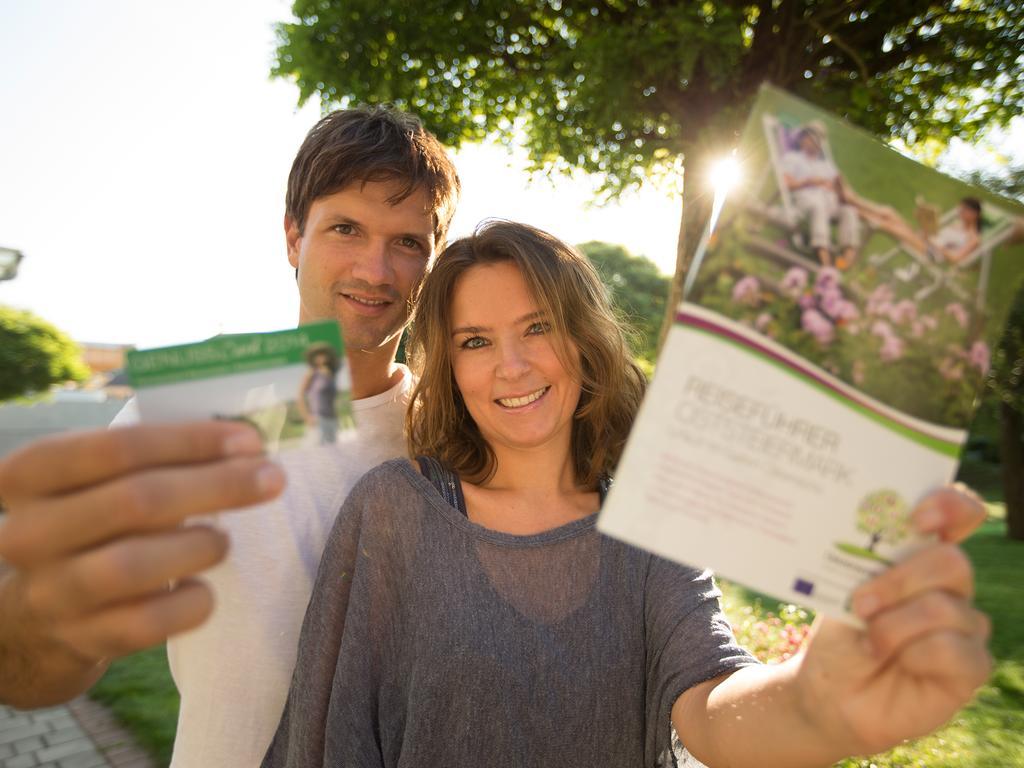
{"x":80,"y":735}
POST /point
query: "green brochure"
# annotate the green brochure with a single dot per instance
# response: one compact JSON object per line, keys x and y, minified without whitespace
{"x":291,"y":385}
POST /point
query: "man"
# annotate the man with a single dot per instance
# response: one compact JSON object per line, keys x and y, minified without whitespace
{"x":93,"y":532}
{"x":817,"y":187}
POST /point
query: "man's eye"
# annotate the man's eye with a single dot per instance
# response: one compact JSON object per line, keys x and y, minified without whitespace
{"x":344,"y":229}
{"x":538,"y":328}
{"x":474,"y":342}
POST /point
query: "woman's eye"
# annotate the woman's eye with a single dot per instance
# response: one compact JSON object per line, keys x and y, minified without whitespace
{"x":538,"y":328}
{"x":409,"y":242}
{"x":474,"y":342}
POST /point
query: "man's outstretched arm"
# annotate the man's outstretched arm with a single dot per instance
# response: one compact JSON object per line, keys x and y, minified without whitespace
{"x":92,"y":538}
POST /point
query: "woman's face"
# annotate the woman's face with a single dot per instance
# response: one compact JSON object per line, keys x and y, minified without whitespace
{"x":503,"y":356}
{"x":968,"y":217}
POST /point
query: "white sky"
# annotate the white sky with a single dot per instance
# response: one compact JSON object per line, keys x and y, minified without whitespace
{"x":143,"y":158}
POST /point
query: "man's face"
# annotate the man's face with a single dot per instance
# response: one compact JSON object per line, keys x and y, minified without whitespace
{"x":360,"y":259}
{"x":810,"y":144}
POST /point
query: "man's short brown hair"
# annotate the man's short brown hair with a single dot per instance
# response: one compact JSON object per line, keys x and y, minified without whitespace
{"x":367,"y":144}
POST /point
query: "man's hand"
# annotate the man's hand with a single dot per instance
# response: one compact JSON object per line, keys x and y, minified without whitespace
{"x":93,"y":541}
{"x":924,"y":651}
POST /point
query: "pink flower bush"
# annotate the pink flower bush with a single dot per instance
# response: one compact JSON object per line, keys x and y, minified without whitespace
{"x":828,"y":279}
{"x":950,"y":369}
{"x":979,"y":356}
{"x":831,"y":303}
{"x":881,"y":329}
{"x":903,"y":312}
{"x":892,"y":345}
{"x":892,"y":349}
{"x":763,"y":321}
{"x":747,"y":290}
{"x":770,"y":637}
{"x":818,"y":326}
{"x":881,"y":297}
{"x":794,"y":282}
{"x":957,"y":312}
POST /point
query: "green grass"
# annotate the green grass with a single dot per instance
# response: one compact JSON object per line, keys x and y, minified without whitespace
{"x":986,"y":733}
{"x":139,"y":691}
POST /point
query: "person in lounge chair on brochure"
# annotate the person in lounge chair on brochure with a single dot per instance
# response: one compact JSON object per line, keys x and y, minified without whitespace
{"x":817,"y":188}
{"x":950,"y":244}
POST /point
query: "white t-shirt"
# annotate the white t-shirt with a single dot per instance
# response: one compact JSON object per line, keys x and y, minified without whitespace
{"x":233,"y":672}
{"x":953,"y":237}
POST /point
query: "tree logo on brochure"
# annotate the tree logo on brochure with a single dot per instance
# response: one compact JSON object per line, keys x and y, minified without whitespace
{"x":885,"y":517}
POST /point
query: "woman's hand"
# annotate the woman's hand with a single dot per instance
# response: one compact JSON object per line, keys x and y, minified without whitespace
{"x":923,"y":652}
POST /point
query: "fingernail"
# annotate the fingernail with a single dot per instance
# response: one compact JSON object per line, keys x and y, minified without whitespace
{"x":269,"y":478}
{"x":243,"y":442}
{"x":928,"y":518}
{"x":865,"y":605}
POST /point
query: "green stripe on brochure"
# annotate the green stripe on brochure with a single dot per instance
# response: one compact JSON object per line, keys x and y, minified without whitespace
{"x":229,"y":354}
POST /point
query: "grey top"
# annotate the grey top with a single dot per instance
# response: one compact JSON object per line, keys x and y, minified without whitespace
{"x":432,"y":641}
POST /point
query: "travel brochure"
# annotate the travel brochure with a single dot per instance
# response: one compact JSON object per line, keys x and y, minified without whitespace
{"x":824,"y":365}
{"x":293,"y":385}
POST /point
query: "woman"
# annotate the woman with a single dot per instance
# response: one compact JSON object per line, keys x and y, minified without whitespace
{"x":467,"y":613}
{"x":318,"y":391}
{"x":951,"y":244}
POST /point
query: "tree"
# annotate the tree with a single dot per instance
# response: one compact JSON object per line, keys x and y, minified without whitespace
{"x":1007,"y":379}
{"x":1006,"y":376}
{"x":34,"y":355}
{"x":884,"y":516}
{"x":636,"y":88}
{"x":638,"y":291}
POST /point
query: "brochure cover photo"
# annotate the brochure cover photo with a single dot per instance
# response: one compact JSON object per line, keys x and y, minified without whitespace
{"x":824,"y":366}
{"x":291,"y":385}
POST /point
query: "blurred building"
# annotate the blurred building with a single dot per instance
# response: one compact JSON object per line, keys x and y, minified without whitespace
{"x":90,"y":405}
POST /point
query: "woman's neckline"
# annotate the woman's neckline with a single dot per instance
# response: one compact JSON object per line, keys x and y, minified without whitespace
{"x":455,"y":517}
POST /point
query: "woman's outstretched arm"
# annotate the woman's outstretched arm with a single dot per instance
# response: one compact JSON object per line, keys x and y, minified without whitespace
{"x":857,"y":692}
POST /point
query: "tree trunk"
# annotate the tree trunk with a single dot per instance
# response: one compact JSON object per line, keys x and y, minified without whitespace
{"x":696,"y":207}
{"x":1012,"y":457}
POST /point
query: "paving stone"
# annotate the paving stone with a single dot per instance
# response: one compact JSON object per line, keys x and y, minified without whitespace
{"x":60,"y":751}
{"x":48,"y":713}
{"x":92,"y":759}
{"x":15,"y":721}
{"x":6,"y":750}
{"x":63,"y":721}
{"x":128,"y":757}
{"x":110,"y":737}
{"x":31,"y":744}
{"x":27,"y":760}
{"x":12,"y":735}
{"x":62,"y":736}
